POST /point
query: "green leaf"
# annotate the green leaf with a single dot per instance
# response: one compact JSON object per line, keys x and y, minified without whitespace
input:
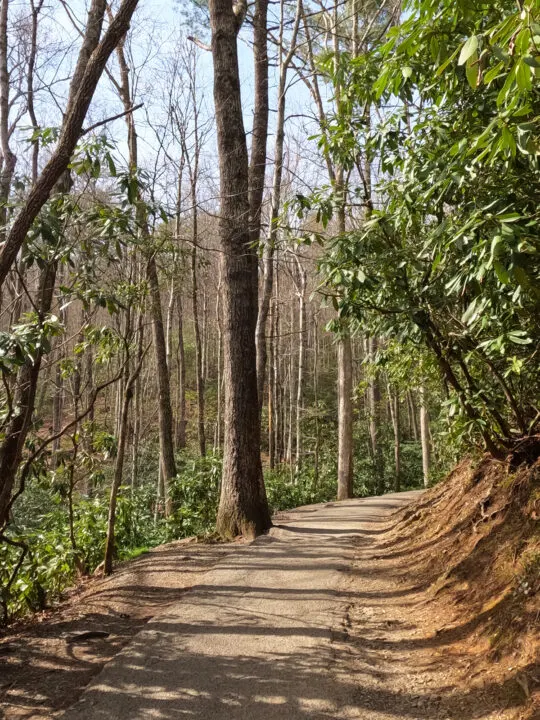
{"x":471,"y":72}
{"x":468,"y":49}
{"x":493,"y":73}
{"x":523,"y":76}
{"x":531,"y":61}
{"x":519,"y":337}
{"x":469,"y":312}
{"x":508,"y":140}
{"x":509,"y":217}
{"x":497,"y":246}
{"x":501,"y":272}
{"x":446,"y":63}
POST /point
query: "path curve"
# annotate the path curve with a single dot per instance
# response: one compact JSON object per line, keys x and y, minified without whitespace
{"x":254,"y":640}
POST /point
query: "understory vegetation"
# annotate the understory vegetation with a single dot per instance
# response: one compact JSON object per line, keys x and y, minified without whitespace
{"x":52,"y":542}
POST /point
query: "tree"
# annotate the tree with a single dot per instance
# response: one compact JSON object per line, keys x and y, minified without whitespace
{"x":166,"y":437}
{"x":93,"y":55}
{"x":451,"y":257}
{"x":243,"y":507}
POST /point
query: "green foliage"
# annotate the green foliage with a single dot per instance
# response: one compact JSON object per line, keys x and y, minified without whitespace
{"x":286,"y":491}
{"x":450,"y":258}
{"x":194,"y":495}
{"x":52,"y":561}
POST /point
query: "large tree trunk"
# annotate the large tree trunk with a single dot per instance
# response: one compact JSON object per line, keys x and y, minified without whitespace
{"x":345,"y":419}
{"x":243,"y":507}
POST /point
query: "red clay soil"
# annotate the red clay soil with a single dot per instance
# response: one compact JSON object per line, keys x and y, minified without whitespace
{"x":445,"y":608}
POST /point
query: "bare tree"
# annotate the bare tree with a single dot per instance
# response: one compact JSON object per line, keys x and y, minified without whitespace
{"x":167,"y":461}
{"x":93,"y":56}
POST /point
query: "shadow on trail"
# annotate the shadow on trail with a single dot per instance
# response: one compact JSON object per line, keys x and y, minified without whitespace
{"x":204,"y":687}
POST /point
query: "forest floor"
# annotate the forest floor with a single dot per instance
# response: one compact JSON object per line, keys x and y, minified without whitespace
{"x":345,"y":610}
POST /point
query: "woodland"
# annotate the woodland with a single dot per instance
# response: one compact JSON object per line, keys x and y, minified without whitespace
{"x":253,"y":256}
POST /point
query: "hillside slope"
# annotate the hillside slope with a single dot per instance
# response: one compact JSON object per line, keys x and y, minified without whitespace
{"x":455,"y":584}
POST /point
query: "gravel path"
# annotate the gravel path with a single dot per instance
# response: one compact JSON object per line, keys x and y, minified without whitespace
{"x":258,"y":637}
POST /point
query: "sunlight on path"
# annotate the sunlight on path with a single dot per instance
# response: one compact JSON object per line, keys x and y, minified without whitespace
{"x":254,"y":639}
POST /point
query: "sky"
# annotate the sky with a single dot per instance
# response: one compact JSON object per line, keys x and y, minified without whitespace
{"x":156,"y":28}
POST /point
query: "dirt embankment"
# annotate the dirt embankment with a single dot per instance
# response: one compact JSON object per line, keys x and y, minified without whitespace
{"x":453,"y":588}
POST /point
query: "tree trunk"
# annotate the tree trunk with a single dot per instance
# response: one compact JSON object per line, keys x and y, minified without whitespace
{"x":16,"y":429}
{"x":118,"y":470}
{"x":217,"y":441}
{"x":412,"y":416}
{"x":257,"y":170}
{"x":166,"y":442}
{"x":424,"y":435}
{"x":199,"y":369}
{"x":271,"y":393}
{"x":243,"y":507}
{"x":301,"y":292}
{"x":181,"y":381}
{"x":268,"y":258}
{"x":393,"y":400}
{"x":316,"y":451}
{"x":345,"y":419}
{"x":168,"y":464}
{"x":374,"y":392}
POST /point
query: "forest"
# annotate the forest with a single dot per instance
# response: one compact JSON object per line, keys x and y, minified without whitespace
{"x":255,"y":256}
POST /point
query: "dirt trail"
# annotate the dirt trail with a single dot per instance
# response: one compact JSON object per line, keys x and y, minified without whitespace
{"x":41,"y":673}
{"x":260,"y":637}
{"x":332,"y":616}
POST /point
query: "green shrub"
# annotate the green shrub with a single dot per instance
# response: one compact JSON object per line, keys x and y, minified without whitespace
{"x":194,"y":495}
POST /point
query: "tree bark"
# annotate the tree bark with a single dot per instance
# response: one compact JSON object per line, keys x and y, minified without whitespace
{"x":243,"y":507}
{"x":181,"y":421}
{"x":393,"y":401}
{"x":269,"y":248}
{"x":424,"y":435}
{"x":374,"y":394}
{"x":345,"y":419}
{"x":168,"y":464}
{"x":91,"y":62}
{"x":199,"y":363}
{"x":301,"y":292}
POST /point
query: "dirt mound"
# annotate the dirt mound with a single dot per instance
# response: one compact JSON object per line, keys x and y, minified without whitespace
{"x":472,"y":545}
